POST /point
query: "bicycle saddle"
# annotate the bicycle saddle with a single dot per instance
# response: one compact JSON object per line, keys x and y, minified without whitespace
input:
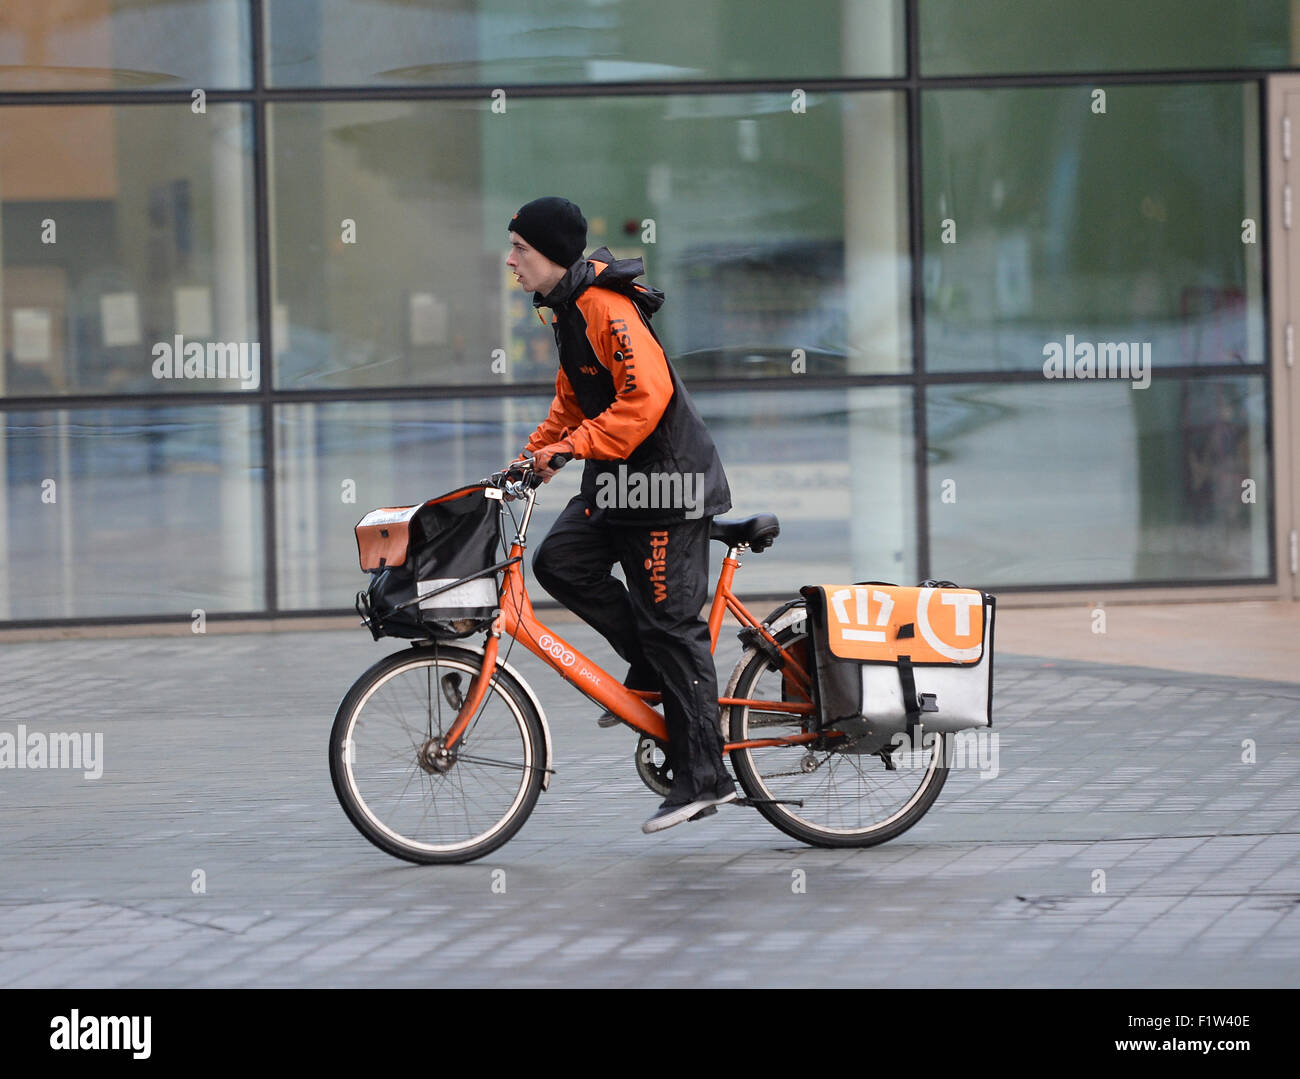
{"x":758,"y":532}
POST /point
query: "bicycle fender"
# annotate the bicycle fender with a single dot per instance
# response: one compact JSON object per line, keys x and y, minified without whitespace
{"x":541,"y":712}
{"x":789,"y":617}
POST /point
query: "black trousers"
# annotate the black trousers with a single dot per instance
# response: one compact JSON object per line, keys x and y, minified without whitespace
{"x":653,"y":623}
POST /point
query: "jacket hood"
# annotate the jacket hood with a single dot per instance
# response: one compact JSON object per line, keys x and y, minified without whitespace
{"x":619,"y":275}
{"x":603,"y":270}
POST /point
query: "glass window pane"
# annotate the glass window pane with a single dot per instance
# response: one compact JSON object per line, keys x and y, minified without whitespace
{"x":785,"y":453}
{"x":503,"y":42}
{"x":769,"y":231}
{"x":836,"y":466}
{"x":386,"y":453}
{"x":1013,"y":37}
{"x":1043,"y":218}
{"x":126,"y":237}
{"x":131,"y":512}
{"x":125,"y":45}
{"x":1094,"y":482}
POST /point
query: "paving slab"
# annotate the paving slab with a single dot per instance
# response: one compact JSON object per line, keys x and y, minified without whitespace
{"x":1141,"y":828}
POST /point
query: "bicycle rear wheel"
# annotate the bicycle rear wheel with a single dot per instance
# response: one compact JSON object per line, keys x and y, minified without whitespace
{"x":402,"y":788}
{"x":848,"y":800}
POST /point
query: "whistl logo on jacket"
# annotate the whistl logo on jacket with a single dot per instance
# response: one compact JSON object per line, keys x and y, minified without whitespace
{"x":625,"y":353}
{"x":657,"y":564}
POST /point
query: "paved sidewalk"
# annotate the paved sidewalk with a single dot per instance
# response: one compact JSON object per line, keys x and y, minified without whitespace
{"x":1123,"y":842}
{"x":1241,"y":640}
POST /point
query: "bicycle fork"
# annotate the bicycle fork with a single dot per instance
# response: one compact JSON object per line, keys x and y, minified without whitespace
{"x":470,"y":702}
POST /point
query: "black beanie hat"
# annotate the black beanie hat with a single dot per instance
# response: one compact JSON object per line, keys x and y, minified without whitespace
{"x":554,"y":226}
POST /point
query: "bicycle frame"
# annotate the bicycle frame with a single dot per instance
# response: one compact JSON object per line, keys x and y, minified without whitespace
{"x":516,"y":619}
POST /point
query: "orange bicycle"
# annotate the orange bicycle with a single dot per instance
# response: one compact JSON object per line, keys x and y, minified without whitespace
{"x":439,"y":752}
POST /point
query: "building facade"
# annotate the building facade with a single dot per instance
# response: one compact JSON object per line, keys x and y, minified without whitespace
{"x":985,"y":291}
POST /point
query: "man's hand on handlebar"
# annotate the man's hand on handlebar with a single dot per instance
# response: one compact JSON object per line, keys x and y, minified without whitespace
{"x":526,"y":471}
{"x":549,"y":459}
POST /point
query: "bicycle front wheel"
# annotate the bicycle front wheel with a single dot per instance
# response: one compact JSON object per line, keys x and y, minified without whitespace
{"x":404,"y":789}
{"x":823,"y":797}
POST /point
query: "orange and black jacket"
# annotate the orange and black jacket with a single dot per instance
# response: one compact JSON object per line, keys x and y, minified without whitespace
{"x":617,"y":398}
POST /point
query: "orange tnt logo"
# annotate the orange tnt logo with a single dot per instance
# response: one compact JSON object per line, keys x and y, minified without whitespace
{"x":881,"y":622}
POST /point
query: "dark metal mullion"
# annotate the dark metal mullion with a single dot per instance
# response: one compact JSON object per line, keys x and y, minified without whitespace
{"x":74,"y":401}
{"x":916,"y":245}
{"x":450,"y":92}
{"x":38,"y":98}
{"x":626,"y":88}
{"x":1094,"y":78}
{"x":1035,"y":374}
{"x":261,"y":228}
{"x":1266,"y":305}
{"x":632,"y":88}
{"x":545,"y":604}
{"x":443,"y":391}
{"x":1130,"y":586}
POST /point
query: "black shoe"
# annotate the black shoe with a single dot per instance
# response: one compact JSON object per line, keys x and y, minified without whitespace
{"x":671,"y":813}
{"x":607,"y":719}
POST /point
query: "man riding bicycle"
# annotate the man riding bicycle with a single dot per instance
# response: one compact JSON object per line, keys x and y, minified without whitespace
{"x":650,"y":487}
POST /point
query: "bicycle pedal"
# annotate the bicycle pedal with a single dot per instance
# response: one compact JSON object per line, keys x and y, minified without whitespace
{"x":707,"y":811}
{"x":768,"y":802}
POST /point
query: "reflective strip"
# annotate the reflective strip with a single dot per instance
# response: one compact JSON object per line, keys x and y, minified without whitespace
{"x":388,"y":516}
{"x":478,"y":593}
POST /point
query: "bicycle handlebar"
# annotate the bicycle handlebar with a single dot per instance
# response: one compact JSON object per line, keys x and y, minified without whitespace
{"x":523,"y":473}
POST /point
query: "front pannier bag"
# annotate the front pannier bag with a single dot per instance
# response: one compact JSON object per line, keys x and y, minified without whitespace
{"x":889,"y":658}
{"x":410,"y":551}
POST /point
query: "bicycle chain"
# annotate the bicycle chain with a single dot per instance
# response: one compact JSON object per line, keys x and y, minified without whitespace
{"x":801,"y":772}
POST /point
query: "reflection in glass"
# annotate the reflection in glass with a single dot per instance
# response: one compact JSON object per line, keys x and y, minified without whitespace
{"x":798,"y":455}
{"x":1013,"y":37}
{"x":125,"y":45}
{"x":769,"y":232}
{"x":504,"y":42}
{"x":1044,"y":218}
{"x":130,"y":512}
{"x":1068,"y":483}
{"x":837,"y":468}
{"x":384,"y":454}
{"x":122,"y":229}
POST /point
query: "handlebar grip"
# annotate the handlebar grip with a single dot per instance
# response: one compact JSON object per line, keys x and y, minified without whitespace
{"x":559,"y":460}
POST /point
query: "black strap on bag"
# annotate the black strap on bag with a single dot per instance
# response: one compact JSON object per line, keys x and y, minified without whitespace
{"x":913,"y":703}
{"x":910,"y":704}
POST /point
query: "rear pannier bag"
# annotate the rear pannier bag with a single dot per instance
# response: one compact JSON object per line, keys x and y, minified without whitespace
{"x":410,"y":551}
{"x":889,"y":658}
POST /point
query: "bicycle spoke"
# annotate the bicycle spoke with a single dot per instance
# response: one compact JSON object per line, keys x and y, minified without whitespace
{"x":409,"y":791}
{"x":842,"y":794}
{"x":463,"y":759}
